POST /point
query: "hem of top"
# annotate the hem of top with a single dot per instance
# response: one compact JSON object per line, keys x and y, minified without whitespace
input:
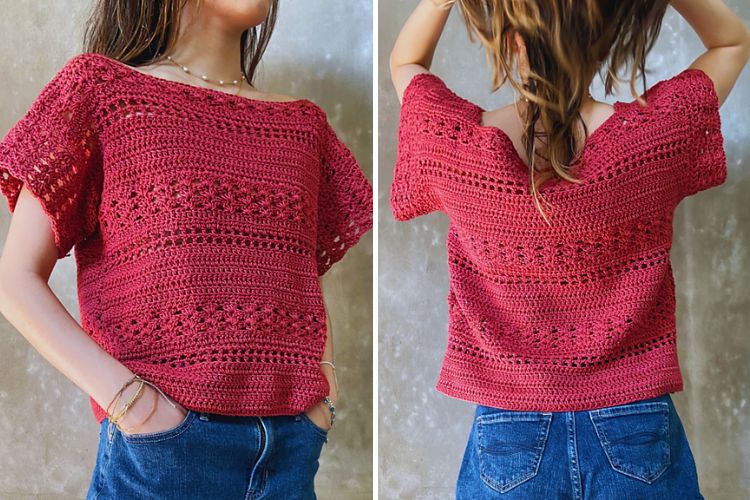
{"x":651,"y":380}
{"x":558,"y":403}
{"x":293,"y":400}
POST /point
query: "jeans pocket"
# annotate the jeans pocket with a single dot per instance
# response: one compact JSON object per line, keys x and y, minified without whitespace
{"x":635,"y":438}
{"x":163,"y":435}
{"x":510,"y":446}
{"x":320,"y":430}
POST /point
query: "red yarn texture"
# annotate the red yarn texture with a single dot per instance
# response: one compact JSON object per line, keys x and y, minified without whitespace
{"x":202,"y":221}
{"x":575,"y":315}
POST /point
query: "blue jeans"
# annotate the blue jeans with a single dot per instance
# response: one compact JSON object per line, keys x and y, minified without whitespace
{"x":210,"y":456}
{"x":637,"y":450}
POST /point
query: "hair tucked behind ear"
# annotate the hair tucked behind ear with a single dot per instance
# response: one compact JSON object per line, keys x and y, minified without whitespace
{"x":567,"y":42}
{"x":140,"y":32}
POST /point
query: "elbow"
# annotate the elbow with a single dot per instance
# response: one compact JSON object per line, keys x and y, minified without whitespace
{"x":746,"y":44}
{"x":393,"y":64}
{"x":6,"y":289}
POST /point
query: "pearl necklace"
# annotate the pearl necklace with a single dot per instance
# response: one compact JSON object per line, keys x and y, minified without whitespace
{"x":205,"y":78}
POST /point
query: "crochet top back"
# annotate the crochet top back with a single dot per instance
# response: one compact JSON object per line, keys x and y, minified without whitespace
{"x":577,"y":313}
{"x":202,"y":222}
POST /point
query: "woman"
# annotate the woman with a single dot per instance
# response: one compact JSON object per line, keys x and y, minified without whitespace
{"x":561,"y":299}
{"x":203,"y":212}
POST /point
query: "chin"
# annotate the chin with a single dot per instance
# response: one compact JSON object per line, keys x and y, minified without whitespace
{"x":243,"y":13}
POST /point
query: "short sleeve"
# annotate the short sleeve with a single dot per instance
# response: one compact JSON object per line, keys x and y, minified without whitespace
{"x":344,"y":201}
{"x":411,"y":194}
{"x":53,"y":149}
{"x":694,"y":105}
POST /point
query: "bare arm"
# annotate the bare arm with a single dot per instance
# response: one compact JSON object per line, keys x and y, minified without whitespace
{"x":320,"y":413}
{"x":724,"y":35}
{"x":415,"y":45}
{"x":27,"y":260}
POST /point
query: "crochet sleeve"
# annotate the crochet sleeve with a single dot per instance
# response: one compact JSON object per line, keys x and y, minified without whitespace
{"x":52,"y":149}
{"x":695,"y":104}
{"x":344,"y":201}
{"x":424,"y":98}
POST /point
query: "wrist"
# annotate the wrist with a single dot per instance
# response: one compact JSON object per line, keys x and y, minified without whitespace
{"x":141,"y":409}
{"x":328,"y":368}
{"x":106,"y":384}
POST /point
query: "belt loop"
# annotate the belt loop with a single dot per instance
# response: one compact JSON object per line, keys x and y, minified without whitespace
{"x":203,"y":416}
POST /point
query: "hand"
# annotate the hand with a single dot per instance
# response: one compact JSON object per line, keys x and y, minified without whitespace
{"x":443,"y":4}
{"x":164,"y":417}
{"x":320,"y":414}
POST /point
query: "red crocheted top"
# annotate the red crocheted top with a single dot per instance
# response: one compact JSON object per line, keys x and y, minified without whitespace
{"x":575,"y":315}
{"x":201,"y":220}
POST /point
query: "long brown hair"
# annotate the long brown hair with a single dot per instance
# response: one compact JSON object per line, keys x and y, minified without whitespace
{"x":139,"y":32}
{"x":567,"y":43}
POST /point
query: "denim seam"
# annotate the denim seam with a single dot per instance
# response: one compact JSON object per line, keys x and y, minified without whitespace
{"x":104,"y":464}
{"x":253,"y":493}
{"x":574,"y":469}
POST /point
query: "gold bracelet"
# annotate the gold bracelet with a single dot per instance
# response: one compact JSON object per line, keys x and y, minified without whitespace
{"x":115,"y":417}
{"x":116,"y":398}
{"x":153,"y":409}
{"x":128,"y":405}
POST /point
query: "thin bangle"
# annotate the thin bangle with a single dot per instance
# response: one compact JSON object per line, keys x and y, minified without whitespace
{"x":335,"y":378}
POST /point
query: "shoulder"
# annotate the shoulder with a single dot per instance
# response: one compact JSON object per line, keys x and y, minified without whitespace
{"x":426,"y":93}
{"x":688,"y":89}
{"x":80,"y":74}
{"x":281,"y":97}
{"x":85,"y":65}
{"x":317,"y":116}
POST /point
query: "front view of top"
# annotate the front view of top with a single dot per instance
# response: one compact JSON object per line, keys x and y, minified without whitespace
{"x":201,"y":220}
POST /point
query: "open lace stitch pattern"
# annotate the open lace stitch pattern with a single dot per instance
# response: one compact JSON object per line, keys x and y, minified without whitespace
{"x":202,"y":222}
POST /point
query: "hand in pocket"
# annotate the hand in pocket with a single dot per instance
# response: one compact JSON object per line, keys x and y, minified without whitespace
{"x":164,"y":417}
{"x":320,"y":414}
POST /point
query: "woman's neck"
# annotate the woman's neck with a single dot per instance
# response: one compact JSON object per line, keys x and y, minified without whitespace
{"x":207,"y":46}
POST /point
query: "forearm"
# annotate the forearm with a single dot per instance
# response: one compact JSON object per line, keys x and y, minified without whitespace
{"x":328,"y":356}
{"x":33,"y":309}
{"x":419,"y":36}
{"x":714,"y":23}
{"x":415,"y":45}
{"x":328,"y":349}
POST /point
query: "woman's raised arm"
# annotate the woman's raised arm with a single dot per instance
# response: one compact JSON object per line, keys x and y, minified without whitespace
{"x":415,"y":45}
{"x":725,"y":36}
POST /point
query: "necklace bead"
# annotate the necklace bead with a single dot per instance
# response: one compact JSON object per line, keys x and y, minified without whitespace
{"x":205,"y":78}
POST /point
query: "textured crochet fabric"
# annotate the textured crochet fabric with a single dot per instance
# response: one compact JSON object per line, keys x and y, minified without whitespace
{"x":201,"y":220}
{"x":579,"y":314}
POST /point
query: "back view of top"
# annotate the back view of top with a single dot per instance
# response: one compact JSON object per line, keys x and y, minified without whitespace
{"x":561,"y":302}
{"x":578,"y":313}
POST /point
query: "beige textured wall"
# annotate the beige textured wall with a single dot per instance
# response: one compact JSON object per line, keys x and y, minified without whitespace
{"x":47,"y":433}
{"x":422,"y":433}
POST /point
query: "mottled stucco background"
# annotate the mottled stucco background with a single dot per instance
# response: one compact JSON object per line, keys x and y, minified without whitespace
{"x":422,"y":433}
{"x":51,"y":456}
